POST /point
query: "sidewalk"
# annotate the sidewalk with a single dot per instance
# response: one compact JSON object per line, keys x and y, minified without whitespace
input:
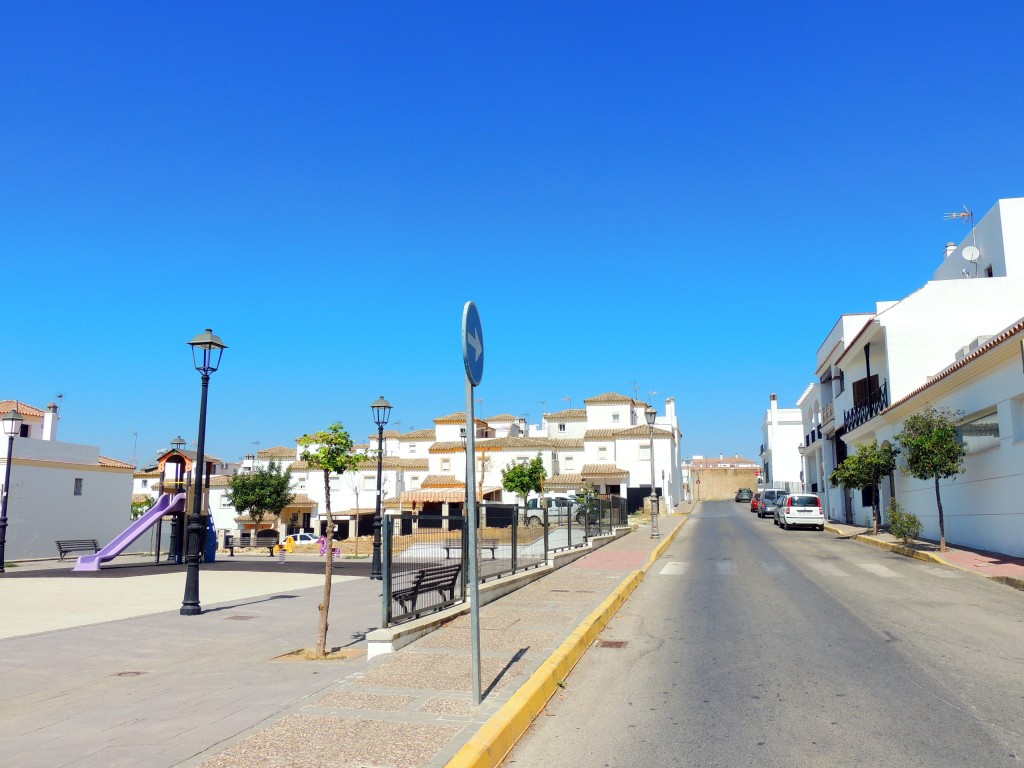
{"x":123,"y":680}
{"x":413,"y":708}
{"x":991,"y":565}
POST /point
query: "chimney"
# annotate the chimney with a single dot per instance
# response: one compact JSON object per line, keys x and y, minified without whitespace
{"x":50,"y":419}
{"x":950,"y":247}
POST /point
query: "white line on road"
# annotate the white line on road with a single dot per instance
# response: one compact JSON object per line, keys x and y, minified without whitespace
{"x":674,"y":569}
{"x":827,"y":569}
{"x":725,"y":568}
{"x":880,"y":570}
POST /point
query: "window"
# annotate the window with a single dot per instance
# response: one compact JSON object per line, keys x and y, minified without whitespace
{"x":602,"y":453}
{"x":860,"y":391}
{"x":561,"y":427}
{"x":979,"y":433}
{"x":24,"y":430}
{"x":145,"y":483}
{"x":645,"y":452}
{"x":225,"y":501}
{"x":446,"y":465}
{"x":988,"y":271}
{"x":78,"y":486}
{"x":567,"y":462}
{"x":369,"y":483}
{"x":412,"y":447}
{"x":522,"y":459}
{"x":415,"y":480}
{"x":615,"y":417}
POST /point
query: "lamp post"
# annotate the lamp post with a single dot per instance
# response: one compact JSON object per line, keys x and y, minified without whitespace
{"x":801,"y":449}
{"x":12,"y":427}
{"x":650,"y":414}
{"x":381,"y":411}
{"x":207,"y":350}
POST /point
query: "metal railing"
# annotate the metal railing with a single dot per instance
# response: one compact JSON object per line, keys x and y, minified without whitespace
{"x":864,"y":412}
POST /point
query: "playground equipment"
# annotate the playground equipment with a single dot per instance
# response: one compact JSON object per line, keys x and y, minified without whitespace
{"x":167,"y":504}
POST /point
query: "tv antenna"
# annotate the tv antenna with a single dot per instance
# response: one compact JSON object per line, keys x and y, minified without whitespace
{"x":969,"y":252}
{"x":636,"y":389}
{"x":568,"y":400}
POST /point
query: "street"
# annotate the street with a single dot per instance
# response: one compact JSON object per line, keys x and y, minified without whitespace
{"x":749,"y":645}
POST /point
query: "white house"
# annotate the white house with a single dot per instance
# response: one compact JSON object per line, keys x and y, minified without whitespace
{"x":60,"y":490}
{"x":781,"y":435}
{"x":870,"y":361}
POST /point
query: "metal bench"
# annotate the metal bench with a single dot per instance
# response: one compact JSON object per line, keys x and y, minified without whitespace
{"x":438,"y":578}
{"x":76,"y":545}
{"x":245,"y":542}
{"x":456,"y":544}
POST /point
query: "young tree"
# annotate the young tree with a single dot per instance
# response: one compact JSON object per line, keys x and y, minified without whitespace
{"x":864,"y":469}
{"x":521,"y":479}
{"x":139,"y":508}
{"x":329,"y":450}
{"x":932,"y":451}
{"x":264,"y":491}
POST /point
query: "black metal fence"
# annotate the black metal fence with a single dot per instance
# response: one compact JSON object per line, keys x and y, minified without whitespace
{"x":425,"y":558}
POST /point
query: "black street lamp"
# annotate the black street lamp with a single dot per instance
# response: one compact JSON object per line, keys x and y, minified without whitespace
{"x":650,"y":414}
{"x":381,"y":411}
{"x":12,"y":428}
{"x":206,"y":353}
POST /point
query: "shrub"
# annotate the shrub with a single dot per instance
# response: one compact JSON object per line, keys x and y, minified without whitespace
{"x":905,"y":526}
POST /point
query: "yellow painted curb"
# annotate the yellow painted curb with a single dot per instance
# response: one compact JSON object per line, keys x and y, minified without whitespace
{"x":495,"y":739}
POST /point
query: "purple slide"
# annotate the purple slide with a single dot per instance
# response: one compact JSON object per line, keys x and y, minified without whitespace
{"x":164,"y":505}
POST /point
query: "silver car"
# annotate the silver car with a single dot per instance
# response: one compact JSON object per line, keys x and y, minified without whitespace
{"x":769,"y":501}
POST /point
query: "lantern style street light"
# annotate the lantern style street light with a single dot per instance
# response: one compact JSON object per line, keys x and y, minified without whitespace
{"x":650,"y":414}
{"x":12,"y":428}
{"x":381,"y":411}
{"x":207,"y":350}
{"x":801,"y":449}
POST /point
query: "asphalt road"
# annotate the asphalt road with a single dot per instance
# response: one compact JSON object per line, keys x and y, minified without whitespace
{"x":747,"y":645}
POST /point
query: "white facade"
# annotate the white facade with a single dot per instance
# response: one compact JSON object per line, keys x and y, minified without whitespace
{"x":61,"y":491}
{"x":781,"y":434}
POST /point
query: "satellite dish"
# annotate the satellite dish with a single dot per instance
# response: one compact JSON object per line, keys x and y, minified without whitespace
{"x":971,"y":253}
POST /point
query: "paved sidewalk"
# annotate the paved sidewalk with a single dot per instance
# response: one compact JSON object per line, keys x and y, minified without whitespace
{"x":122,"y":680}
{"x":992,"y":565}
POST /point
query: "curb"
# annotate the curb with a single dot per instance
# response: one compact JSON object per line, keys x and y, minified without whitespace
{"x":927,"y":557}
{"x":495,"y":739}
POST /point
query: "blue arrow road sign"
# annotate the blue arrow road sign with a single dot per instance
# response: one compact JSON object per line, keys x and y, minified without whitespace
{"x":472,"y":343}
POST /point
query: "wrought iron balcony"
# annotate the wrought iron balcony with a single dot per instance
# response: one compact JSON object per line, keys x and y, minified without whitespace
{"x":864,"y":412}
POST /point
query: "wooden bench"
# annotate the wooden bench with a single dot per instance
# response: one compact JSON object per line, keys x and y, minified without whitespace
{"x":452,"y":543}
{"x":437,"y":578}
{"x":76,"y":545}
{"x":244,"y":542}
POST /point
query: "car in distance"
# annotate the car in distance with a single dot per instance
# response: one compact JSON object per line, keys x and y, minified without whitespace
{"x":303,"y":538}
{"x":769,"y":498}
{"x":744,"y":494}
{"x":800,"y":509}
{"x":559,"y":510}
{"x":755,"y":502}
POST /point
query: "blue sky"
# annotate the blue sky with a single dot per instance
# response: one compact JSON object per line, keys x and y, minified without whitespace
{"x":684,"y":196}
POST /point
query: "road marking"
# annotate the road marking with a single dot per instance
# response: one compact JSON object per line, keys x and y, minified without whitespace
{"x":725,"y":568}
{"x":942,"y":572}
{"x":827,"y":569}
{"x":775,"y":569}
{"x":880,"y":570}
{"x":673,"y":569}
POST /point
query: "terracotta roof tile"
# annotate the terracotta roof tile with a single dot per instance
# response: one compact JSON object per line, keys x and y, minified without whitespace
{"x":569,"y":414}
{"x":600,"y":434}
{"x":441,"y":481}
{"x":603,"y":470}
{"x":219,"y":481}
{"x":6,"y":406}
{"x":562,"y":481}
{"x":419,"y":435}
{"x":502,"y":417}
{"x":642,"y":431}
{"x":114,"y":463}
{"x":277,"y":452}
{"x":566,"y":443}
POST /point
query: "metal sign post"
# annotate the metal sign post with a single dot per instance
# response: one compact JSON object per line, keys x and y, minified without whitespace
{"x":473,"y":358}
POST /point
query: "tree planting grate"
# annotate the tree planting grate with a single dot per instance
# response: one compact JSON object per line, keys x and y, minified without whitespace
{"x":240,"y":618}
{"x":611,"y":643}
{"x":127,"y":674}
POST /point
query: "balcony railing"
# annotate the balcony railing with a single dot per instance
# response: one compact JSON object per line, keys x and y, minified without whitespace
{"x":860,"y":414}
{"x":828,"y":414}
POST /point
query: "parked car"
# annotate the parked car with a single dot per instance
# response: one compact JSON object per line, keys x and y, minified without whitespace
{"x":769,"y":499}
{"x":559,"y":509}
{"x":800,"y":509}
{"x":755,"y":502}
{"x":303,"y":538}
{"x":744,"y":494}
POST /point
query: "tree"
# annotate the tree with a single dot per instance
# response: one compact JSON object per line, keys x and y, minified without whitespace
{"x":329,"y":450}
{"x":139,"y":508}
{"x":522,"y":479}
{"x":264,"y":491}
{"x":865,"y":469}
{"x":933,"y":451}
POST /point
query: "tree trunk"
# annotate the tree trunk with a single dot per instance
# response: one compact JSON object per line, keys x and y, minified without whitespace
{"x":325,"y":604}
{"x":942,"y":522}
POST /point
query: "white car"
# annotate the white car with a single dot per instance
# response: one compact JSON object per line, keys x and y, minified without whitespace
{"x":800,"y":509}
{"x":303,"y":538}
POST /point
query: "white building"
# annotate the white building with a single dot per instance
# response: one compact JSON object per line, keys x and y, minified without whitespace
{"x":60,"y":490}
{"x":781,"y":436}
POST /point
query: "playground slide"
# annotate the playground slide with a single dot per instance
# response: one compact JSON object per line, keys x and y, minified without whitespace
{"x":164,"y":505}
